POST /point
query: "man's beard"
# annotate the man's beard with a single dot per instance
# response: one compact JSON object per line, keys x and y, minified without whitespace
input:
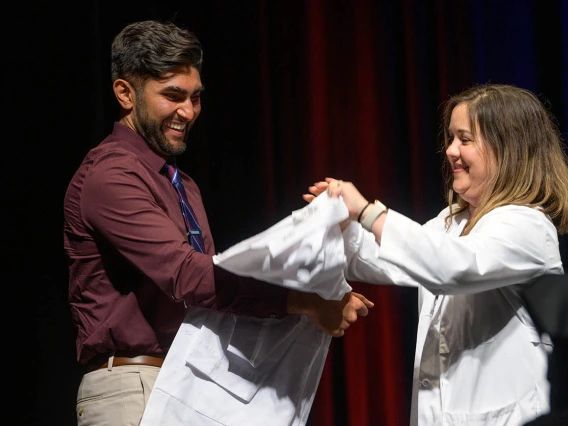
{"x":152,"y":132}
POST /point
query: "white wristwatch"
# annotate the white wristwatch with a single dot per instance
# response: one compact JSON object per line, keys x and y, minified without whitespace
{"x":377,"y":210}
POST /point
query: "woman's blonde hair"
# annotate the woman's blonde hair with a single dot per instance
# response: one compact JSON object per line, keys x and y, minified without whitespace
{"x":521,"y":136}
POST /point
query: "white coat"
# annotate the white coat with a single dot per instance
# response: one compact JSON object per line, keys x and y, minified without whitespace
{"x":479,"y":359}
{"x":228,"y":370}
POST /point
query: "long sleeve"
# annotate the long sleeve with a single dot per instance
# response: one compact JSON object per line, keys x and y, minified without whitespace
{"x":511,"y":244}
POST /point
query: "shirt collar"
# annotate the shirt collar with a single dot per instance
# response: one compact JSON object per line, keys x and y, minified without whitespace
{"x":147,"y":154}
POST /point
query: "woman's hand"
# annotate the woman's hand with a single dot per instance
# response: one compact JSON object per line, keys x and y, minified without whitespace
{"x":315,"y":190}
{"x":352,"y":198}
{"x":354,"y":201}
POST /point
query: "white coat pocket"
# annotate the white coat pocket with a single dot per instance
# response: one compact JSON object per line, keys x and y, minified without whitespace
{"x":238,"y":353}
{"x":506,"y":416}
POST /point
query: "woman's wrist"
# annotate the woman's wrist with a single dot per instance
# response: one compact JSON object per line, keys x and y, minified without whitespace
{"x":360,"y":215}
{"x":371,"y":214}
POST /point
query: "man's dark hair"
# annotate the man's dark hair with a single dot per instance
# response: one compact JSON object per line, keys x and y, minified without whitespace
{"x":150,"y":49}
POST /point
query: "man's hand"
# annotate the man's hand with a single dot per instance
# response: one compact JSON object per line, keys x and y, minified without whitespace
{"x":331,"y":316}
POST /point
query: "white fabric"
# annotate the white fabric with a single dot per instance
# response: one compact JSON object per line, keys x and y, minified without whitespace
{"x":292,"y":253}
{"x":479,"y":359}
{"x":228,"y":370}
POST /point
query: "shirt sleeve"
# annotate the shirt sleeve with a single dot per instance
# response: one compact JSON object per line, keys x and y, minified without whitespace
{"x":130,"y":222}
{"x":509,"y":245}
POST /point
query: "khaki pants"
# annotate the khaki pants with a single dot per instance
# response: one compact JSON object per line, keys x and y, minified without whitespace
{"x":115,"y":397}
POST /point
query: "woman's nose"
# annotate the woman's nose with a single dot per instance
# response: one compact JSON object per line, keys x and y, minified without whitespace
{"x":452,"y":149}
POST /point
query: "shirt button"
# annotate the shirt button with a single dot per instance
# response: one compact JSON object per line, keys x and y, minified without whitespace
{"x":425,"y":383}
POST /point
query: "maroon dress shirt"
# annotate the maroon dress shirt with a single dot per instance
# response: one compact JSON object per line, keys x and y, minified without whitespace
{"x":132,"y":271}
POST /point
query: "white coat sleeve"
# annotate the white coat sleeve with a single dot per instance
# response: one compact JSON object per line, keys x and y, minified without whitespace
{"x":303,"y":252}
{"x":509,"y":245}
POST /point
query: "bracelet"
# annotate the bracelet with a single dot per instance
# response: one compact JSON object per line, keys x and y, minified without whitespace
{"x":377,"y":210}
{"x":361,"y":214}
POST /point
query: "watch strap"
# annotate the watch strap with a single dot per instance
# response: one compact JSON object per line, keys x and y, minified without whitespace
{"x":375,"y":211}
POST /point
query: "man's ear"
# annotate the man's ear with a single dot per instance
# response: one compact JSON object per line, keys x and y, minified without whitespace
{"x":124,"y":93}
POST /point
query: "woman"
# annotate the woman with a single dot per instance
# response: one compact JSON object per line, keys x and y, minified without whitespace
{"x":479,"y":359}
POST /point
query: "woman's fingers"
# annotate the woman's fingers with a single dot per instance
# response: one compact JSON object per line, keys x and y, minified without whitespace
{"x":308,"y":197}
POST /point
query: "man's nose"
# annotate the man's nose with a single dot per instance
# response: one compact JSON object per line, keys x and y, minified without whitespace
{"x":187,"y":110}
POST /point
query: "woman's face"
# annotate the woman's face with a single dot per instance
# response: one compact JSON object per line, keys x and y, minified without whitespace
{"x":471,"y":163}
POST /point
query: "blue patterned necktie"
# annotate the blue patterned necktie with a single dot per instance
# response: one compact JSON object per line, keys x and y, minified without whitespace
{"x":191,"y":225}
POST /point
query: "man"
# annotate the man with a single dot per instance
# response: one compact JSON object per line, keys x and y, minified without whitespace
{"x":138,"y":242}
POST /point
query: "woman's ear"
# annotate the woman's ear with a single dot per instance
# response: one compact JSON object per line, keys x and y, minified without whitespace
{"x":124,"y":93}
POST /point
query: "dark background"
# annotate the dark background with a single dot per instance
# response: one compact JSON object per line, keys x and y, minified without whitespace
{"x":295,"y":91}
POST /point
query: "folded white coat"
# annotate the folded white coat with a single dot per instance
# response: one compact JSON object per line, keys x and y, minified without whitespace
{"x":228,"y":370}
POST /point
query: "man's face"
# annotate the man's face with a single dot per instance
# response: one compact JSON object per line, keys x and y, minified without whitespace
{"x":166,"y":109}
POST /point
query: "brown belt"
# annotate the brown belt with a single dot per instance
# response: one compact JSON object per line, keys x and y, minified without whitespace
{"x":150,"y":360}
